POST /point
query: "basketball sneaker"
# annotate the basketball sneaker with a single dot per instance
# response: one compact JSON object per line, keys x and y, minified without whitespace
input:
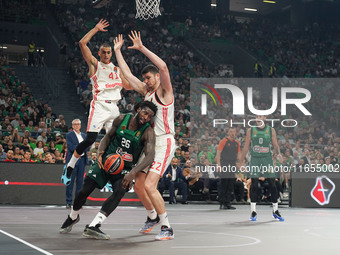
{"x":277,"y":215}
{"x":165,"y":234}
{"x":95,"y":233}
{"x":68,"y":224}
{"x":149,"y":224}
{"x":66,"y":176}
{"x":253,"y":216}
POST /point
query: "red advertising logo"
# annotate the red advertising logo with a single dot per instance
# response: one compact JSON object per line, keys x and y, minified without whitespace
{"x":322,"y":190}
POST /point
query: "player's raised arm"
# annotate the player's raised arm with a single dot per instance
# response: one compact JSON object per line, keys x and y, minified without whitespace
{"x":89,"y":58}
{"x":163,"y":68}
{"x":133,"y":81}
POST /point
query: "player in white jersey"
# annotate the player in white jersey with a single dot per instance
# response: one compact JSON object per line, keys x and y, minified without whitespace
{"x":156,"y":88}
{"x":107,"y":82}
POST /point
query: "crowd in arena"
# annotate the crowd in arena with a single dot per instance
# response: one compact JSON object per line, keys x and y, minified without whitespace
{"x":31,"y":131}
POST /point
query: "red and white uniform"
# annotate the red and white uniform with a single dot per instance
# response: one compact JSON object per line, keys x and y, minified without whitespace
{"x":164,"y":128}
{"x":106,"y":87}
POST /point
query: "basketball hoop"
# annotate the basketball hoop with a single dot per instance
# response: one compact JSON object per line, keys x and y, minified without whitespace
{"x":147,"y":9}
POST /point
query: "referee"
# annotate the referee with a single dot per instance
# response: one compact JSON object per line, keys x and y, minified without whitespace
{"x":228,"y":152}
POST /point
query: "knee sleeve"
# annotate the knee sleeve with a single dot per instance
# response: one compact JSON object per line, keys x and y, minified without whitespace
{"x":89,"y":140}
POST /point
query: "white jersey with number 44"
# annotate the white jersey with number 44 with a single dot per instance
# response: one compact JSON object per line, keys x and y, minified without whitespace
{"x":164,"y":119}
{"x":106,"y":82}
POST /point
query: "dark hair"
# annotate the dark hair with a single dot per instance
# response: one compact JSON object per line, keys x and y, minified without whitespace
{"x":148,"y":104}
{"x":150,"y":68}
{"x":105,"y":45}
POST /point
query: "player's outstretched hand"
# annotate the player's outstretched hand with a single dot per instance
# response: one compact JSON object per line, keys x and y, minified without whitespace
{"x":136,"y":39}
{"x":102,"y":24}
{"x":128,"y":179}
{"x":118,"y":42}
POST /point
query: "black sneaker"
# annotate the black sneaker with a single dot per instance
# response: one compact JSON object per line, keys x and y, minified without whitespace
{"x":165,"y":234}
{"x":68,"y":224}
{"x":149,"y":224}
{"x":253,"y":216}
{"x":95,"y":233}
{"x":277,"y":215}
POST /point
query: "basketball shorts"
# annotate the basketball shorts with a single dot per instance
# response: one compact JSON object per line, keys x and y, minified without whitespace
{"x":164,"y":152}
{"x":261,"y":167}
{"x":102,"y":113}
{"x":101,"y":177}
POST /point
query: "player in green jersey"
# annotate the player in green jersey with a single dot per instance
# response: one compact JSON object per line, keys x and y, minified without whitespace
{"x":261,"y":163}
{"x":129,"y":136}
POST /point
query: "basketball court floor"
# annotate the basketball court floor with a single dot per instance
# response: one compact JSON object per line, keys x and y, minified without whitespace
{"x":199,"y":229}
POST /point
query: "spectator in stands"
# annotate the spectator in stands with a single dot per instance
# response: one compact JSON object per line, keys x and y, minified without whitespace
{"x":50,"y":135}
{"x":52,"y":147}
{"x":27,"y":136}
{"x":43,"y":137}
{"x":16,"y":138}
{"x":38,"y":149}
{"x":93,"y":158}
{"x":35,"y":118}
{"x":25,"y":146}
{"x":178,"y":154}
{"x":17,"y":156}
{"x":185,"y":146}
{"x":27,"y":158}
{"x":2,"y":153}
{"x":49,"y":158}
{"x":9,"y":145}
{"x":207,"y":154}
{"x":186,"y":157}
{"x":63,"y":152}
{"x":59,"y":139}
{"x":176,"y":180}
{"x":9,"y":156}
{"x":58,"y":158}
{"x":95,"y":147}
{"x":15,"y":122}
{"x":63,"y":126}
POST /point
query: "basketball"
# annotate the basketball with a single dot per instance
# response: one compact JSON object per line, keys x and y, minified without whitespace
{"x":113,"y":164}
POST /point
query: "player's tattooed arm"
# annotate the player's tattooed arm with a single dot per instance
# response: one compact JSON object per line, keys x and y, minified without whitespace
{"x":149,"y":151}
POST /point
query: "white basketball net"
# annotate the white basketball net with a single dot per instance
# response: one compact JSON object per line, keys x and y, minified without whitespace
{"x":147,"y":9}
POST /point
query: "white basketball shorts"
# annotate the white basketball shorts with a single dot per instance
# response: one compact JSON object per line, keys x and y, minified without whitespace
{"x":164,"y":152}
{"x":102,"y":113}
